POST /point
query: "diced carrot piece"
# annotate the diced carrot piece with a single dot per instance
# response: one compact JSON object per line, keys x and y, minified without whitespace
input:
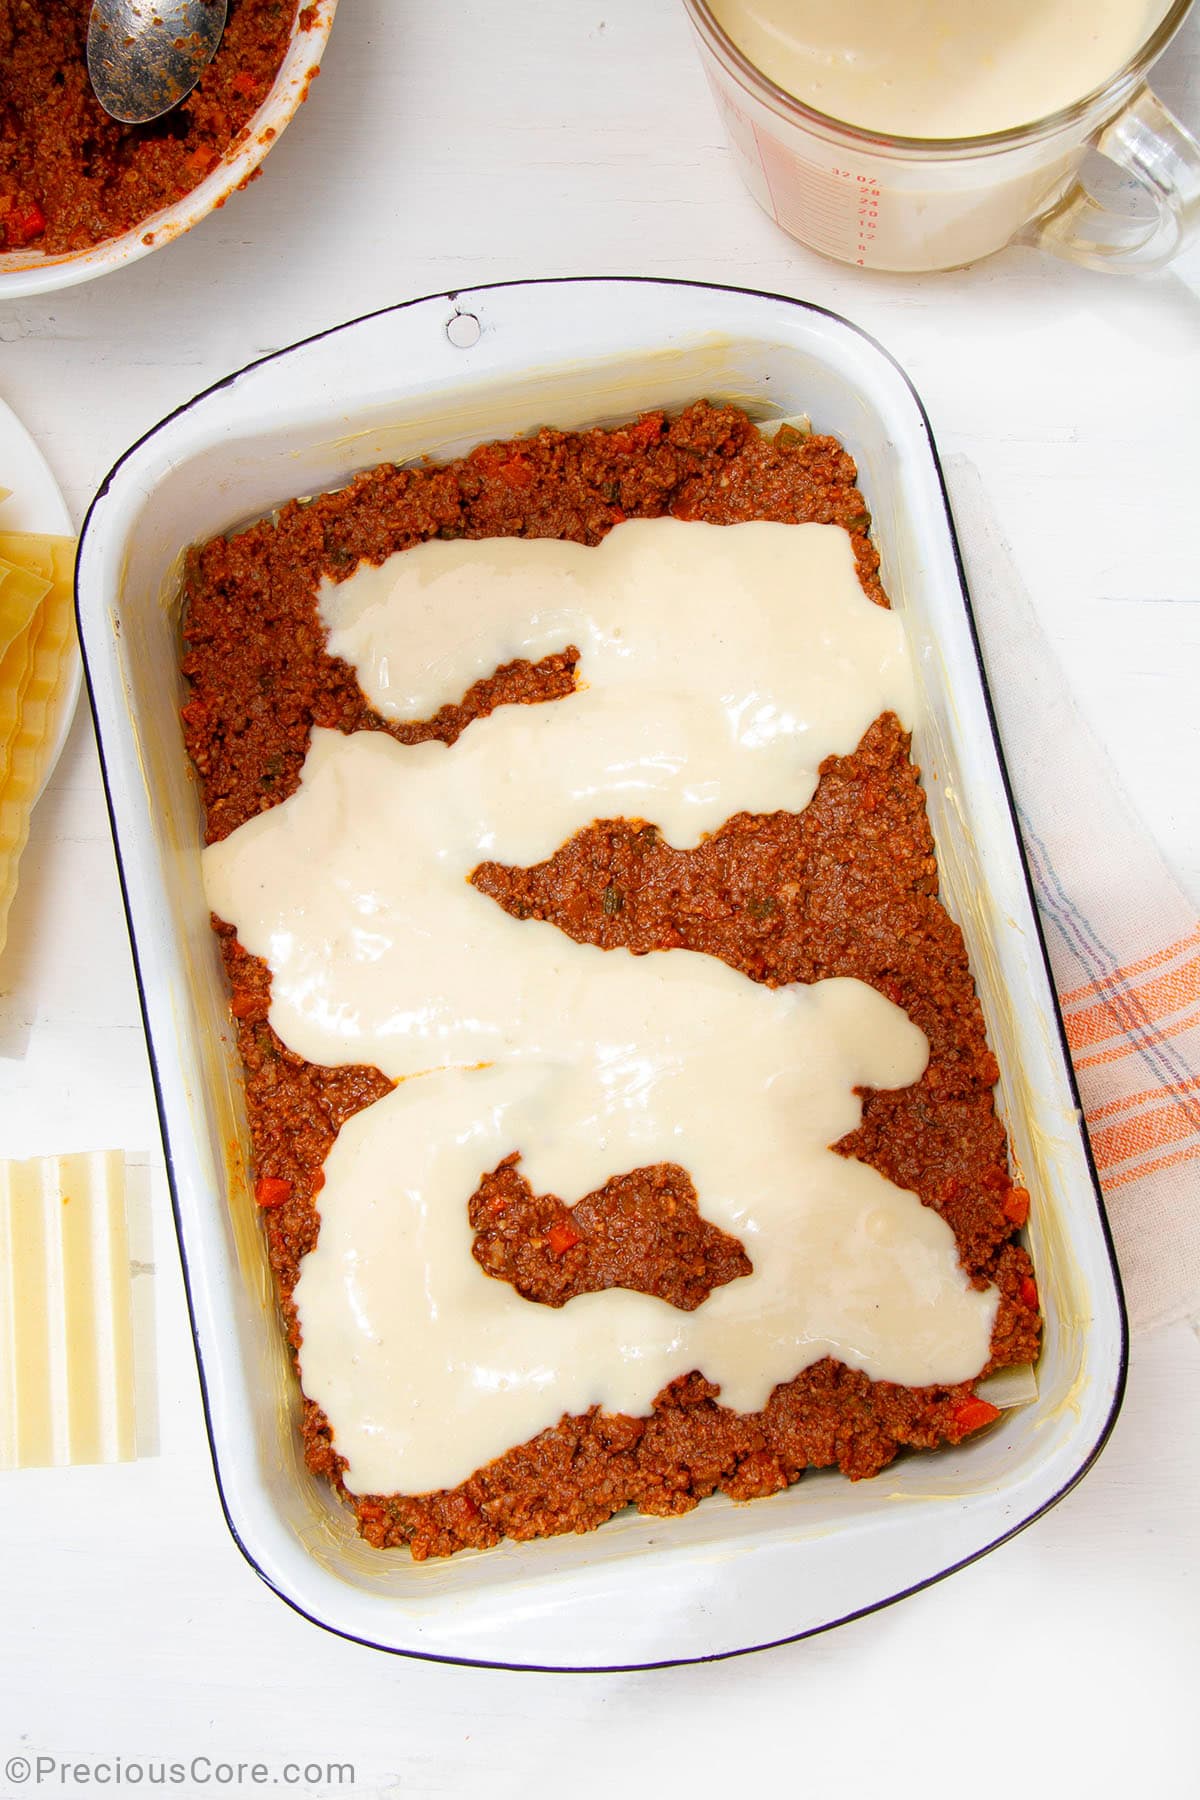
{"x":563,"y":1237}
{"x":22,"y":224}
{"x":272,"y":1190}
{"x":1016,"y":1205}
{"x":517,"y":472}
{"x":973,"y":1414}
{"x":1029,"y":1293}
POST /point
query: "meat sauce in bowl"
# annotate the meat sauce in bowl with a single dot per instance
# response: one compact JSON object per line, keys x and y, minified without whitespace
{"x":71,"y":177}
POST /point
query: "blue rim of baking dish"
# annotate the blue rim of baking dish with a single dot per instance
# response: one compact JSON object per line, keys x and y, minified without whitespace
{"x":453,"y":296}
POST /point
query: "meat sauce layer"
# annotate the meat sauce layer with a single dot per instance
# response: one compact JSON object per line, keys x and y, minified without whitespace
{"x":848,"y":887}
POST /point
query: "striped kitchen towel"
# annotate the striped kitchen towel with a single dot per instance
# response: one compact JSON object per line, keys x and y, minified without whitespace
{"x":1123,"y":938}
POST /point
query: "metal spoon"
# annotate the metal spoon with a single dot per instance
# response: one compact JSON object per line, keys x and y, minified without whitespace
{"x":144,"y":55}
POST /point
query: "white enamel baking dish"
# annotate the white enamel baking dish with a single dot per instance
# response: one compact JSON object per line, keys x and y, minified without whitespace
{"x":394,"y":386}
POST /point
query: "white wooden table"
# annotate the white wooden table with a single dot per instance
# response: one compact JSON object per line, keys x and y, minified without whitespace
{"x":449,"y":145}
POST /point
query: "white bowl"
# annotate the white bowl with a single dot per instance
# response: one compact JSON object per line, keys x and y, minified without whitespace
{"x":25,"y":272}
{"x":396,"y":386}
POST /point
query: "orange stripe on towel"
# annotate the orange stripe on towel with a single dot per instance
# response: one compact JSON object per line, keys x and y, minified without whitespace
{"x":1164,"y":995}
{"x":1142,"y":1040}
{"x":1130,"y":1100}
{"x":1119,"y":1143}
{"x":1091,"y":989}
{"x":1162,"y":1162}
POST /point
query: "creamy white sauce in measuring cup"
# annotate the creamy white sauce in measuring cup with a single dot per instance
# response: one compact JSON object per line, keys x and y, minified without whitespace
{"x":938,"y":68}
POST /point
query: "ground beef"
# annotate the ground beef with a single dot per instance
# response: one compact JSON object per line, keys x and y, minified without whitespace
{"x":848,"y":887}
{"x":71,"y":176}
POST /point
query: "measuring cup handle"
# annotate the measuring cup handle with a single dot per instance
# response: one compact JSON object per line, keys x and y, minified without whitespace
{"x":1163,"y":158}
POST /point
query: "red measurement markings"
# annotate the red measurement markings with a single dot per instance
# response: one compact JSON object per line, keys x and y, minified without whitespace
{"x":833,"y":209}
{"x":867,"y":210}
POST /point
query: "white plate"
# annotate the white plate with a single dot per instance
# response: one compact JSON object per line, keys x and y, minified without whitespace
{"x":36,"y":504}
{"x":412,"y":381}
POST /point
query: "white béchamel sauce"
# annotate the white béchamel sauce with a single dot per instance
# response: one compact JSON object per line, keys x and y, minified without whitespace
{"x":694,"y":703}
{"x":719,"y":666}
{"x":939,"y":68}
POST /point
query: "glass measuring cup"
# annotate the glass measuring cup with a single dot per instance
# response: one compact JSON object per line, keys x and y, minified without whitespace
{"x":910,"y":204}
